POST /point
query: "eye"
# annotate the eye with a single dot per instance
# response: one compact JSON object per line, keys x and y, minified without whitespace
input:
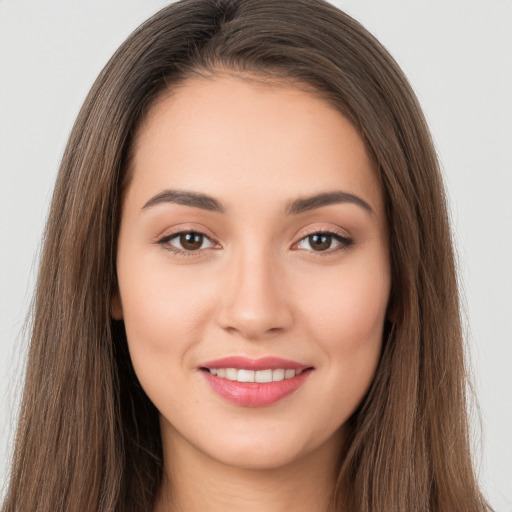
{"x":186,"y":241}
{"x":324,"y":242}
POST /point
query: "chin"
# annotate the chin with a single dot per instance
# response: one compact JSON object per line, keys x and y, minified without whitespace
{"x":258,"y":456}
{"x":269,"y":448}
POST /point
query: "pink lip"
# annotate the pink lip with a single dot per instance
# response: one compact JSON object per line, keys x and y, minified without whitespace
{"x":255,"y":394}
{"x":263,"y":363}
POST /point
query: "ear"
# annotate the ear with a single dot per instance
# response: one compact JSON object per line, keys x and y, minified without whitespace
{"x":116,"y":308}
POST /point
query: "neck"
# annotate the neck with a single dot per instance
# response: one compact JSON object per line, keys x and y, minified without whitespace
{"x":193,"y":481}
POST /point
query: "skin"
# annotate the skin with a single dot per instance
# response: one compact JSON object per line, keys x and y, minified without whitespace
{"x":258,"y":288}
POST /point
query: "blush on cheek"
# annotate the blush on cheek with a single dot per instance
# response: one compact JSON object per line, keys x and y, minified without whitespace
{"x":158,"y":307}
{"x":350,"y":319}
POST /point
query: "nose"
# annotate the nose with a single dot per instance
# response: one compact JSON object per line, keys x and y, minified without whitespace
{"x":255,"y":302}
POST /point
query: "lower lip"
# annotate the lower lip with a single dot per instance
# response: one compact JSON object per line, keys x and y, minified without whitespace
{"x":255,"y":394}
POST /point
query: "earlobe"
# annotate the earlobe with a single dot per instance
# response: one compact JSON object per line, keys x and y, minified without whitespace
{"x":116,"y":309}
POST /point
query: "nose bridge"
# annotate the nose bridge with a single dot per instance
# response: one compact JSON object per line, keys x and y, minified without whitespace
{"x":255,"y":302}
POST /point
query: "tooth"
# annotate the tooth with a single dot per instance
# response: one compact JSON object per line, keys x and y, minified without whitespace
{"x":245,"y":376}
{"x":277,"y":374}
{"x":231,"y":373}
{"x":263,"y":376}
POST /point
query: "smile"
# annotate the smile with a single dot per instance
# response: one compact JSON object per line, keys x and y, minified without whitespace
{"x":255,"y":382}
{"x":261,"y":376}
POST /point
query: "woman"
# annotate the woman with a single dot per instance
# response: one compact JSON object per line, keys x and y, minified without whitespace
{"x":247,"y":294}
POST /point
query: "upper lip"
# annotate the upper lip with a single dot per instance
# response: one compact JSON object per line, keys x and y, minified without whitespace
{"x":263,"y":363}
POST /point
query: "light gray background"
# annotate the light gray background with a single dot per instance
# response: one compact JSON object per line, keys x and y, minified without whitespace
{"x":458,"y":57}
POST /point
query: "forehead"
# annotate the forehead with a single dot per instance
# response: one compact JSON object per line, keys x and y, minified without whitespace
{"x":230,"y":136}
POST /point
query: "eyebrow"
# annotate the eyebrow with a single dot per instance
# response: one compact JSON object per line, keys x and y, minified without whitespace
{"x":206,"y":202}
{"x":325,"y":199}
{"x":193,"y":199}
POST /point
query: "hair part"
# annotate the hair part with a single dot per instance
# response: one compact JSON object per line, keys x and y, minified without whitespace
{"x":88,"y":436}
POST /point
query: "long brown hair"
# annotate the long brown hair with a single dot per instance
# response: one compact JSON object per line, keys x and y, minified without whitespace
{"x":88,"y":437}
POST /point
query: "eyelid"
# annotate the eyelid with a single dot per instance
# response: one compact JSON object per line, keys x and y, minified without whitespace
{"x":345,"y":239}
{"x":168,"y":235}
{"x":185,"y":228}
{"x":323,"y":229}
{"x":333,"y":230}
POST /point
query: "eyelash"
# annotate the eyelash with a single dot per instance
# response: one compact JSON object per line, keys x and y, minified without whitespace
{"x":345,"y":242}
{"x":164,"y":241}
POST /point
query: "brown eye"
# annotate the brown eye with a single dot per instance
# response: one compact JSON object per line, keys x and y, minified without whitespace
{"x":320,"y":241}
{"x":186,"y":242}
{"x":191,"y":241}
{"x":324,"y":242}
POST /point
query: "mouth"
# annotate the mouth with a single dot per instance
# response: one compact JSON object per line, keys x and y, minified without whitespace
{"x":255,"y":382}
{"x":260,"y":376}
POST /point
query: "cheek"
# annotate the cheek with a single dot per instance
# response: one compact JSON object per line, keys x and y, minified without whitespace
{"x":165,"y":315}
{"x":347,"y":309}
{"x":164,"y":312}
{"x":346,"y":318}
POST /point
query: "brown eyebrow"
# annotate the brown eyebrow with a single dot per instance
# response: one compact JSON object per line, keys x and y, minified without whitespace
{"x":325,"y":199}
{"x":205,"y":202}
{"x":185,"y":198}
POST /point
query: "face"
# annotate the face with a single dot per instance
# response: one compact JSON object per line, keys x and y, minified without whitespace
{"x":253,"y":270}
